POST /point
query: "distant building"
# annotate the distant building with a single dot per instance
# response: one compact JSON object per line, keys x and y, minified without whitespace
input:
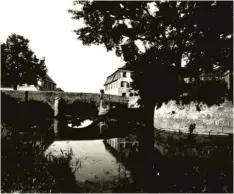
{"x":46,"y":84}
{"x":227,"y":77}
{"x":119,"y":83}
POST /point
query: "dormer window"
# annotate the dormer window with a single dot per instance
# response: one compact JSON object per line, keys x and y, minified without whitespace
{"x":124,"y":74}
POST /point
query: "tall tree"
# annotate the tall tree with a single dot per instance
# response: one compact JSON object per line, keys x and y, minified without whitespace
{"x":169,"y":31}
{"x":156,"y":38}
{"x":19,"y":64}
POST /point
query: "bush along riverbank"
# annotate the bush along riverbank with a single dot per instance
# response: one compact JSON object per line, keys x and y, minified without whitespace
{"x":26,"y":169}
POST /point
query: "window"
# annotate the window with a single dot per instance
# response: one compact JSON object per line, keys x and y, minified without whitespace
{"x":130,"y":85}
{"x":124,"y":74}
{"x":123,"y":94}
{"x":127,"y":84}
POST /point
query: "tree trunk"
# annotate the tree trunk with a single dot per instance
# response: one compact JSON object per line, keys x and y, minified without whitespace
{"x":147,"y":147}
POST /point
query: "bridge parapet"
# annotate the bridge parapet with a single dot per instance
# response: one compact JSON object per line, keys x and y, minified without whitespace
{"x":69,"y":97}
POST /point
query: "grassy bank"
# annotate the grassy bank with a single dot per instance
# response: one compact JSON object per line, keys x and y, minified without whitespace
{"x":26,"y":169}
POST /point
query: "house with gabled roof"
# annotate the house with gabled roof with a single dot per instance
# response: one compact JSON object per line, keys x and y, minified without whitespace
{"x":47,"y":84}
{"x":120,"y":82}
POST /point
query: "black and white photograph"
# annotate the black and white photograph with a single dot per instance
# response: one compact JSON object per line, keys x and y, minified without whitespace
{"x":116,"y":96}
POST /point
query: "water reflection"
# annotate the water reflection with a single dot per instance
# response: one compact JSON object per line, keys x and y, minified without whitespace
{"x":182,"y":163}
{"x":96,"y":169}
{"x":97,"y":129}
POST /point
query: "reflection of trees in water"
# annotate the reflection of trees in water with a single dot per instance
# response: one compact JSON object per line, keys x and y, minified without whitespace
{"x":186,"y":166}
{"x":193,"y":163}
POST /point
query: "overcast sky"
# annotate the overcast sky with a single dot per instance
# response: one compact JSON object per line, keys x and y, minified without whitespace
{"x":48,"y":26}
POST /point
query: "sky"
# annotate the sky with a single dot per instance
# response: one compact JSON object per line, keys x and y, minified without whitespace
{"x":49,"y":27}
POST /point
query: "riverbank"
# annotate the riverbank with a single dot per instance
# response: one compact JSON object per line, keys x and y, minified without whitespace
{"x":24,"y":168}
{"x":184,"y":161}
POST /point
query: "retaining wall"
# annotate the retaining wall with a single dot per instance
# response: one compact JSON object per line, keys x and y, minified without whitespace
{"x":201,"y":119}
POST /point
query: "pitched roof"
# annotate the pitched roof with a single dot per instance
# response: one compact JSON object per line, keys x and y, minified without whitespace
{"x":116,"y":75}
{"x":48,"y":78}
{"x":113,"y":77}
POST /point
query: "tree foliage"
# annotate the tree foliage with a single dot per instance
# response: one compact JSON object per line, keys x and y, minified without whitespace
{"x":19,"y":63}
{"x":155,"y":37}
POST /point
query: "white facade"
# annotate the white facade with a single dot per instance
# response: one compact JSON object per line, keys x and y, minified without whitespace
{"x":24,"y":87}
{"x":121,"y":85}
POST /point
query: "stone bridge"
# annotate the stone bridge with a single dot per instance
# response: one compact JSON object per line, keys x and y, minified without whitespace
{"x":48,"y":97}
{"x":71,"y":109}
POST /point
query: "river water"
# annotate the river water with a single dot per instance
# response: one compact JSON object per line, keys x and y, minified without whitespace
{"x":95,"y":168}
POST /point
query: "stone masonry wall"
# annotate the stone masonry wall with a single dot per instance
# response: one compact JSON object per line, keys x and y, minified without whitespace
{"x":214,"y":120}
